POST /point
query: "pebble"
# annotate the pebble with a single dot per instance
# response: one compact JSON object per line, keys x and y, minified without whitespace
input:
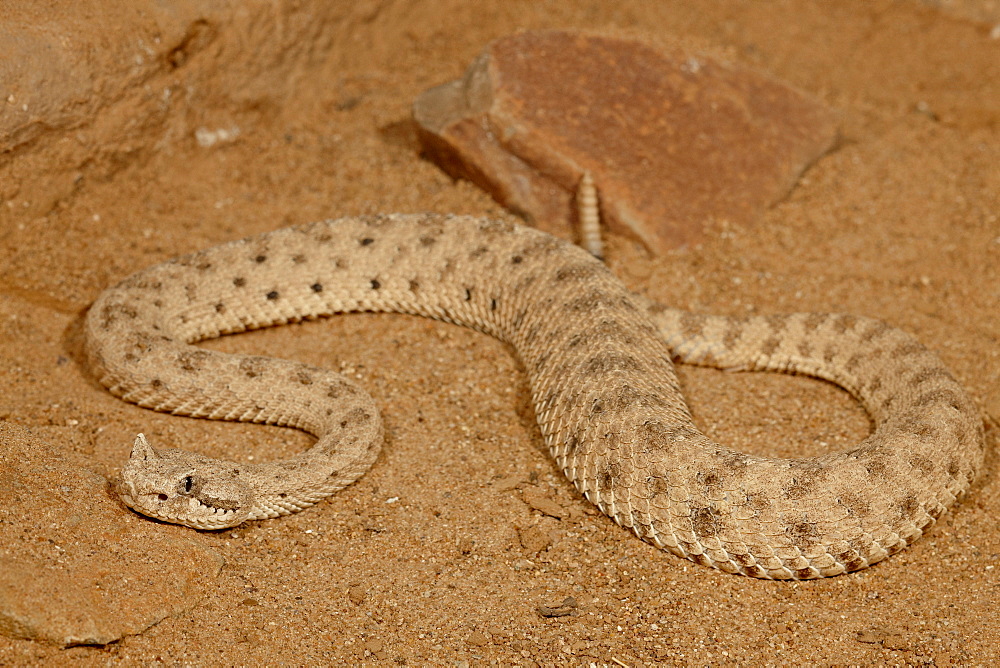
{"x":564,"y":609}
{"x":478,"y":639}
{"x":533,"y":539}
{"x":540,"y":501}
{"x":356,"y":593}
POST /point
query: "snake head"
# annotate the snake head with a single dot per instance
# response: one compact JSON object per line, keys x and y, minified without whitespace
{"x":183,"y":487}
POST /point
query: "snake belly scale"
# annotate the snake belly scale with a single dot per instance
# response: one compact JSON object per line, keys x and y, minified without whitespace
{"x":599,"y":362}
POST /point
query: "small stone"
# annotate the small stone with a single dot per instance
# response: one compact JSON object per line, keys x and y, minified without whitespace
{"x":478,"y":639}
{"x":673,"y":140}
{"x":564,"y":609}
{"x":465,"y":544}
{"x":508,"y":483}
{"x":356,"y":593}
{"x":374,"y":645}
{"x":533,"y":539}
{"x":540,"y":501}
{"x":870,"y":636}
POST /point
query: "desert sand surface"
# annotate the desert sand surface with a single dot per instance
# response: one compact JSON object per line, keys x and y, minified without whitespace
{"x":134,"y":132}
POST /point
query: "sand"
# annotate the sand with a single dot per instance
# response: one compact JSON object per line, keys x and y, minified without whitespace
{"x":160,"y":131}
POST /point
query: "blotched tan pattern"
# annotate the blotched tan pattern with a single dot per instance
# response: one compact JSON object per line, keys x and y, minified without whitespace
{"x":603,"y":386}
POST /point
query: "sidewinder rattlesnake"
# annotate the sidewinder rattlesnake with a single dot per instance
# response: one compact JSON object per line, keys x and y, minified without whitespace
{"x":603,"y":386}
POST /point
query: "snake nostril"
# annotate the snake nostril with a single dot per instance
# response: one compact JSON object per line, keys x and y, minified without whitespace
{"x":161,"y":497}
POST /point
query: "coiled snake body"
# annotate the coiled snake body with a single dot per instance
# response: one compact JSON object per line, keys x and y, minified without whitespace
{"x":603,"y":386}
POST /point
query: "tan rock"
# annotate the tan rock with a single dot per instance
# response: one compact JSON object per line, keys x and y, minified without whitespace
{"x":540,"y":500}
{"x":478,"y":639}
{"x":533,"y":539}
{"x":357,"y":594}
{"x":76,"y":567}
{"x":672,"y":140}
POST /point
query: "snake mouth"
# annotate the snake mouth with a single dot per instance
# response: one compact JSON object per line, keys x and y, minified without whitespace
{"x":187,"y":510}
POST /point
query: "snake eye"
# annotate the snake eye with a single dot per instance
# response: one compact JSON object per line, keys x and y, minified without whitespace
{"x":186,"y":484}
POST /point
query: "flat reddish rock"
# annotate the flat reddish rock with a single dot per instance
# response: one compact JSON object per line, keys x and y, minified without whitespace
{"x":672,"y":140}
